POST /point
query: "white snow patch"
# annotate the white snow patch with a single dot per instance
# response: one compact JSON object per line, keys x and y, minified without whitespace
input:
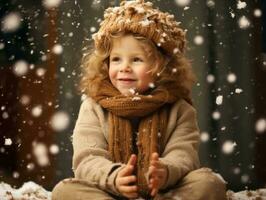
{"x":48,"y":4}
{"x":219,"y":100}
{"x":245,"y":178}
{"x":231,"y":78}
{"x":136,"y":98}
{"x":243,"y":22}
{"x":210,"y":3}
{"x":30,"y":166}
{"x":5,"y":115}
{"x":260,"y":126}
{"x":198,"y":40}
{"x":151,"y":85}
{"x":60,"y":121}
{"x":241,"y":4}
{"x":182,"y":3}
{"x":228,"y":147}
{"x":41,"y":154}
{"x":40,"y":71}
{"x":216,"y":115}
{"x":92,"y":29}
{"x":257,"y":12}
{"x":25,"y":100}
{"x":15,"y":174}
{"x":204,"y":137}
{"x":8,"y":141}
{"x":54,"y":149}
{"x":247,"y":194}
{"x":37,"y":111}
{"x":20,"y":68}
{"x":11,"y":22}
{"x":238,"y":90}
{"x":29,"y":191}
{"x":2,"y":45}
{"x":210,"y":78}
{"x":176,"y":50}
{"x":57,"y":49}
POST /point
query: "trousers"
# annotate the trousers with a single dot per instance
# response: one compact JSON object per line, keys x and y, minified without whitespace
{"x":200,"y":184}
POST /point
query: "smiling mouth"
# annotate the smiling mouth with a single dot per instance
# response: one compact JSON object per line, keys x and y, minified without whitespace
{"x":126,"y":79}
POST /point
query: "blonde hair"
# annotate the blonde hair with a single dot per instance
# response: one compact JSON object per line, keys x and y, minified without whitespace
{"x":175,"y":68}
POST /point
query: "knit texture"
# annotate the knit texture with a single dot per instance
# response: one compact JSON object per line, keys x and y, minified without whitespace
{"x":140,"y":17}
{"x":153,"y":112}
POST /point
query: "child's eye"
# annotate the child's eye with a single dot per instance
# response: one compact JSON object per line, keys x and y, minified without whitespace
{"x":115,"y":59}
{"x":137,"y":59}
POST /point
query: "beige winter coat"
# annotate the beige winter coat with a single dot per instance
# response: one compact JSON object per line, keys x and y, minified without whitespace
{"x":91,"y":159}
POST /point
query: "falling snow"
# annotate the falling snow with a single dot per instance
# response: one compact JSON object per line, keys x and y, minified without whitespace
{"x":241,"y":4}
{"x":210,"y":3}
{"x":40,"y":71}
{"x":257,"y":13}
{"x":8,"y":141}
{"x":204,"y":137}
{"x":243,"y":22}
{"x":57,"y":49}
{"x":20,"y":68}
{"x":41,"y":154}
{"x":231,"y":78}
{"x":25,"y":100}
{"x":60,"y":121}
{"x":228,"y":147}
{"x":260,"y":126}
{"x":54,"y":149}
{"x":210,"y":78}
{"x":182,"y":3}
{"x":238,"y":90}
{"x":223,"y":88}
{"x":11,"y":22}
{"x":216,"y":115}
{"x":51,"y":3}
{"x":37,"y":111}
{"x":219,"y":100}
{"x":198,"y":40}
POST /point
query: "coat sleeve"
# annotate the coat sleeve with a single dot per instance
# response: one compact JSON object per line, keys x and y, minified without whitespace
{"x":91,"y":159}
{"x":180,"y":154}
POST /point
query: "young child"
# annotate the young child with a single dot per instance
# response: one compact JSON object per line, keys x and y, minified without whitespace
{"x":136,"y":135}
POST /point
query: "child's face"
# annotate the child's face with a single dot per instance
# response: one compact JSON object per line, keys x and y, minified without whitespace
{"x":129,"y":65}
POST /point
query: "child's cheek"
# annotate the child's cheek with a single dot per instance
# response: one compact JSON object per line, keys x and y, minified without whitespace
{"x":112,"y":73}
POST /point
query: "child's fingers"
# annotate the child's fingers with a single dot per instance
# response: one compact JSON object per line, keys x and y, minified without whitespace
{"x":154,"y":156}
{"x":126,"y":171}
{"x":131,"y":195}
{"x":128,"y":189}
{"x":155,"y":182}
{"x":154,"y":186}
{"x":126,"y":180}
{"x":153,"y":171}
{"x":129,"y":167}
{"x":156,"y":172}
{"x":132,"y":160}
{"x":157,"y":164}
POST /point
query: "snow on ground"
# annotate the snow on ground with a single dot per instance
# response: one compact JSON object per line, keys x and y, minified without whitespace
{"x":33,"y":191}
{"x":28,"y":191}
{"x":259,"y":194}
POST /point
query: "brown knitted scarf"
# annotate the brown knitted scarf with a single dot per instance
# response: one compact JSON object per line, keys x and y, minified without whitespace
{"x":151,"y":109}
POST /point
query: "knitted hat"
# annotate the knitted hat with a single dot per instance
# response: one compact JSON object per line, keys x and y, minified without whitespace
{"x":140,"y":17}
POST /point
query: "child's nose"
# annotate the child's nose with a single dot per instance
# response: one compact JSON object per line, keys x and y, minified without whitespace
{"x":125,"y":67}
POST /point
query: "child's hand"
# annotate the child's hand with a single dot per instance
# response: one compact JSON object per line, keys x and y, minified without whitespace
{"x":157,"y":173}
{"x":125,"y":179}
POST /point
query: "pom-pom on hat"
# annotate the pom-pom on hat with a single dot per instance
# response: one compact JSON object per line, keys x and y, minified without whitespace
{"x":140,"y":17}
